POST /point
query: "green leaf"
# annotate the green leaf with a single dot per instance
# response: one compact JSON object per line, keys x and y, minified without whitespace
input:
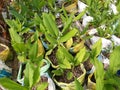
{"x":16,"y":14}
{"x":68,"y":35}
{"x":80,"y":56}
{"x":37,"y":19}
{"x":99,"y":84}
{"x":24,"y":9}
{"x":78,"y":85}
{"x":67,"y":24}
{"x":99,"y":74}
{"x":28,"y":75}
{"x":36,"y":76}
{"x":63,"y":60}
{"x":11,"y":85}
{"x":15,"y":24}
{"x":50,"y":24}
{"x":57,"y":72}
{"x":96,"y":48}
{"x":50,"y":39}
{"x":66,"y":54}
{"x":64,"y":12}
{"x":33,"y":51}
{"x":15,"y":37}
{"x":19,"y":47}
{"x":42,"y":86}
{"x":114,"y":60}
{"x":69,"y":75}
{"x":109,"y":87}
{"x":64,"y":63}
{"x":79,"y":16}
{"x":113,"y":81}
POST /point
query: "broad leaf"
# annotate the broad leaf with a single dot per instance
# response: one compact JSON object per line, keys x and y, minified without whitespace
{"x":114,"y":60}
{"x":63,"y":60}
{"x":67,"y":24}
{"x":33,"y":51}
{"x":79,"y":58}
{"x":28,"y":75}
{"x":15,"y":37}
{"x":15,"y":24}
{"x":58,"y":72}
{"x":78,"y":85}
{"x":16,"y":14}
{"x":96,"y":48}
{"x":69,"y":75}
{"x":68,"y":35}
{"x":42,"y":86}
{"x":66,"y":53}
{"x":50,"y":39}
{"x":50,"y":24}
{"x":99,"y":74}
{"x":11,"y":85}
{"x":19,"y":47}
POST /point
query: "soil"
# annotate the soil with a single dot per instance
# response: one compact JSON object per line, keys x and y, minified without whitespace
{"x":76,"y":73}
{"x":76,"y":40}
{"x":2,"y":48}
{"x":52,"y":57}
{"x":59,"y":22}
{"x":87,"y":65}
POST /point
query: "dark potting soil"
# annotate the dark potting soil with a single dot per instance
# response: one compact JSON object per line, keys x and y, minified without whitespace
{"x":2,"y":48}
{"x":76,"y":73}
{"x":53,"y":58}
{"x":76,"y":39}
{"x":88,"y":65}
{"x":59,"y":22}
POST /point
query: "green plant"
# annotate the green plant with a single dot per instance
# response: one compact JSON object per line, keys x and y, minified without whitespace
{"x":27,"y":53}
{"x":53,"y":34}
{"x":67,"y":61}
{"x":103,"y":79}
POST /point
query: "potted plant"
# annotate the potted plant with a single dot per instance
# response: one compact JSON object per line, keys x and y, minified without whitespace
{"x":69,"y":68}
{"x":54,"y":36}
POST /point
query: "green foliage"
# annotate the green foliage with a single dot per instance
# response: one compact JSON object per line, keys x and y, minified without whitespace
{"x":51,"y":31}
{"x":11,"y":85}
{"x":78,"y":85}
{"x":114,"y":60}
{"x":64,"y":58}
{"x":32,"y":73}
{"x":69,"y":75}
{"x":80,"y":57}
{"x":50,"y":25}
{"x":99,"y":75}
{"x":67,"y":23}
{"x":42,"y":86}
{"x":33,"y":51}
{"x":96,"y":48}
{"x":58,"y":72}
{"x":68,"y":35}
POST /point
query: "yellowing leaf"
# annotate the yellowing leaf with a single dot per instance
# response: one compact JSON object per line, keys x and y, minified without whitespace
{"x":40,"y":48}
{"x":80,"y":56}
{"x":79,"y":46}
